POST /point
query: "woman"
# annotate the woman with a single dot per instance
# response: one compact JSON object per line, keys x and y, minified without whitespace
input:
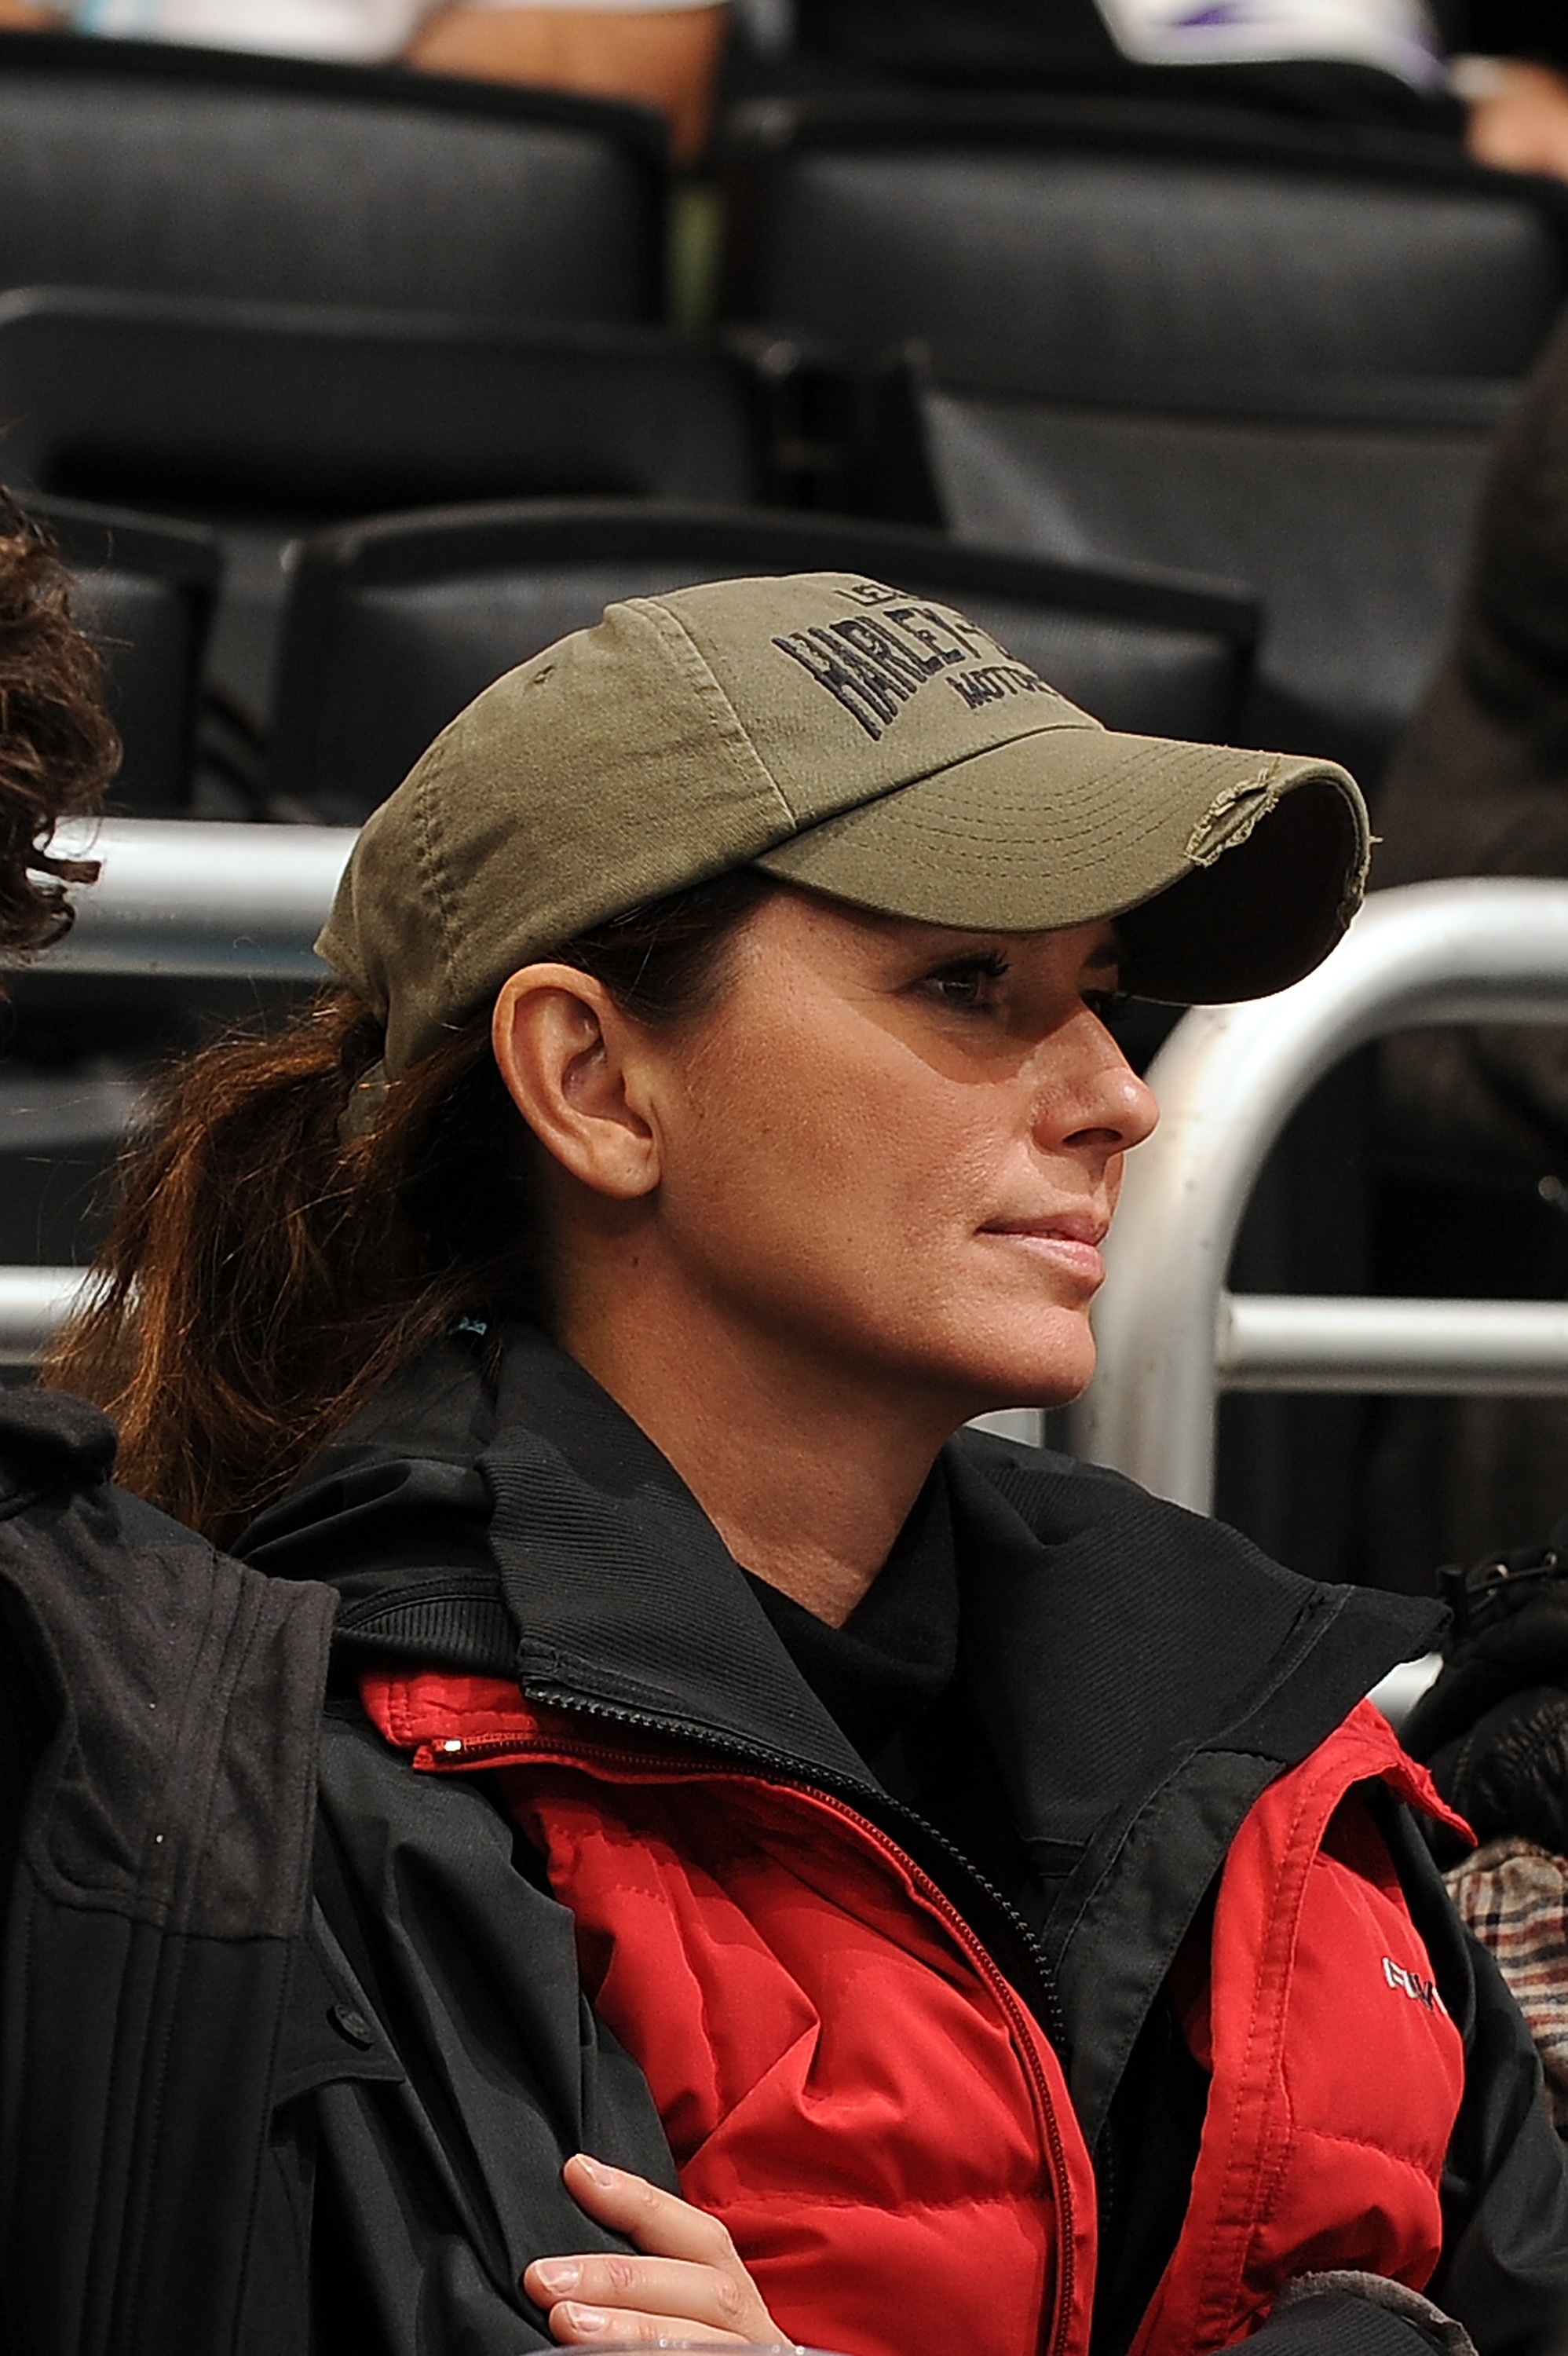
{"x":968,"y":1883}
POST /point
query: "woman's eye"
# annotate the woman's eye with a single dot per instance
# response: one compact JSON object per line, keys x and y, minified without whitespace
{"x":967,"y":984}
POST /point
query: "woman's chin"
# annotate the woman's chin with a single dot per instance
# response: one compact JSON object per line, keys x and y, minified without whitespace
{"x":1029,"y":1375}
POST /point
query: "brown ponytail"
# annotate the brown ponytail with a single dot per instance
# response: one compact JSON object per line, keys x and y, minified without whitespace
{"x":268,"y":1269}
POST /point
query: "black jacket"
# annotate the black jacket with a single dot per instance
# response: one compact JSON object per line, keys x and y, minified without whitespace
{"x":1142,"y":1675}
{"x":159,"y":1708}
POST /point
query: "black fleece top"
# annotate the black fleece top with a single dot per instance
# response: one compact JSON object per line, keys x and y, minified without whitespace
{"x":889,"y":1679}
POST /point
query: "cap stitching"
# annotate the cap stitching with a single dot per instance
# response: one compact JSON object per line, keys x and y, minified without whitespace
{"x":431,"y":868}
{"x":991,"y":847}
{"x":710,"y":688}
{"x":1086,"y":726}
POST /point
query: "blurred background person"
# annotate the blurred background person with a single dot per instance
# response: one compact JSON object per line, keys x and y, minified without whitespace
{"x":659,"y":53}
{"x":1493,"y":69}
{"x":1478,"y":1117}
{"x":1515,"y":78}
{"x":1496,"y":68}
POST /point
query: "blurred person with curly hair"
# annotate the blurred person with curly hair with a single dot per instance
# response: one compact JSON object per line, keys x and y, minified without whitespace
{"x":58,"y":746}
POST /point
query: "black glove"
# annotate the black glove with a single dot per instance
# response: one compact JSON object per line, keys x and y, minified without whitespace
{"x":1509,"y":1774}
{"x":1494,"y":1727}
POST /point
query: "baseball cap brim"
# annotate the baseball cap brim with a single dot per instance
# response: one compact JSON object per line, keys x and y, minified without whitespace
{"x":1232,"y":872}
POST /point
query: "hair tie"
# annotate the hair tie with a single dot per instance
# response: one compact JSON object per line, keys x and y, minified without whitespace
{"x":363,"y":1110}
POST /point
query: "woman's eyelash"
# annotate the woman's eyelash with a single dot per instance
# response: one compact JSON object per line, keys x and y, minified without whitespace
{"x":986,"y":965}
{"x":964,"y":976}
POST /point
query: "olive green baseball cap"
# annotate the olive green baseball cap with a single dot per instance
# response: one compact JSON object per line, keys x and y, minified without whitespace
{"x":869,"y":744}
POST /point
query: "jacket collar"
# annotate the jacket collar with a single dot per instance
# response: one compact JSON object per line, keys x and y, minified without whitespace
{"x":621,"y":1589}
{"x":1115,"y":1635}
{"x":1106,"y":1634}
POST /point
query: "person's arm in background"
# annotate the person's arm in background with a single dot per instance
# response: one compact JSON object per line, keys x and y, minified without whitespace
{"x":1514,"y":79}
{"x":23,"y":16}
{"x":657,"y":55}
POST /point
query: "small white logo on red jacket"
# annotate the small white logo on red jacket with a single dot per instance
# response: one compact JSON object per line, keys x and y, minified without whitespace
{"x":1419,"y":1990}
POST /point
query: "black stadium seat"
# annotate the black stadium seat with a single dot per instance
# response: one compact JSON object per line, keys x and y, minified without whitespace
{"x":267,"y":419}
{"x":1114,"y":250}
{"x":150,"y":167}
{"x":1347,"y":516}
{"x":393,"y":625}
{"x":144,"y":593}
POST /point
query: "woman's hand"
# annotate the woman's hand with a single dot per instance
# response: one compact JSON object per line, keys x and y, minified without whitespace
{"x":687,"y":2284}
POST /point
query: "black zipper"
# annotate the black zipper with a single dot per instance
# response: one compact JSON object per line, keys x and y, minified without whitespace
{"x":1053,"y":2018}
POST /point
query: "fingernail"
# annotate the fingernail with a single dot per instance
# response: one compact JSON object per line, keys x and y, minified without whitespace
{"x":587,"y":2319}
{"x":597,"y":2170}
{"x":559,"y":2275}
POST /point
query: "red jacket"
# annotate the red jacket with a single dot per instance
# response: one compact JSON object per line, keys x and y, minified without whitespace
{"x":847,"y":2080}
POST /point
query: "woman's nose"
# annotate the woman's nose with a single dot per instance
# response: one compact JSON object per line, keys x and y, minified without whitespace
{"x":1106,"y":1104}
{"x":1135,"y":1109}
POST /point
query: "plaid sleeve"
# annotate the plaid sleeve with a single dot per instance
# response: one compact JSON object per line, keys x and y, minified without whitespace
{"x":1514,"y":1897}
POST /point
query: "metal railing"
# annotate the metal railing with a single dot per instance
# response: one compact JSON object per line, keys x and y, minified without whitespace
{"x":203,"y":901}
{"x":33,"y":1301}
{"x":198,"y":901}
{"x":1172,"y":1338}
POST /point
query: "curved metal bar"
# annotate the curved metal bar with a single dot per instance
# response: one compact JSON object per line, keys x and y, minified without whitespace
{"x":1397,"y":1694}
{"x":33,"y":1302}
{"x":1289,"y":1342}
{"x":180,"y":896}
{"x":1484,"y":949}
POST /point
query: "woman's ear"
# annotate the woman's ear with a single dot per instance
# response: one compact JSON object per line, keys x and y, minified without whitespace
{"x":575,"y":1067}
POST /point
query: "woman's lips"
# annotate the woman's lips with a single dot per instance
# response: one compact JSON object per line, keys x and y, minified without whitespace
{"x":1070,"y":1244}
